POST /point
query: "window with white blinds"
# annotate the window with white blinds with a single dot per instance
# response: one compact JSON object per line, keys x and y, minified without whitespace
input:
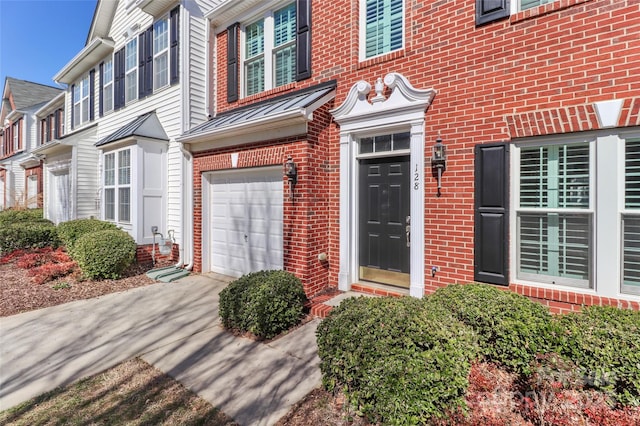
{"x":631,"y":219}
{"x":270,"y":51}
{"x":554,"y":221}
{"x":528,"y":4}
{"x":383,"y":26}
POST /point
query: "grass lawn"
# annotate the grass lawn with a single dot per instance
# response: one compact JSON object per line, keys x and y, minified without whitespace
{"x":132,"y":393}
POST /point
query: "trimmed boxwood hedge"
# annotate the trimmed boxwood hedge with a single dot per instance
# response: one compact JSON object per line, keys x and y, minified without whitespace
{"x":398,"y":360}
{"x":104,"y":254}
{"x":604,"y":342}
{"x":27,"y":235}
{"x":511,"y":328}
{"x":264,"y":303}
{"x":70,"y":231}
{"x":13,"y":216}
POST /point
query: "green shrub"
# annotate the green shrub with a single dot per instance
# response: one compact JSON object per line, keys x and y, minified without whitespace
{"x":69,"y":232}
{"x":511,"y":328}
{"x":398,"y":360}
{"x":604,"y":342}
{"x":12,"y":216}
{"x":104,"y":254}
{"x":264,"y":303}
{"x":27,"y":235}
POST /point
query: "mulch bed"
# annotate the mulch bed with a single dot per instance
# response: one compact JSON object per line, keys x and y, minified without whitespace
{"x":18,"y":292}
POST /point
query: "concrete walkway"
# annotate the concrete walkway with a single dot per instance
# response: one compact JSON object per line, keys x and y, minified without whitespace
{"x":173,"y":326}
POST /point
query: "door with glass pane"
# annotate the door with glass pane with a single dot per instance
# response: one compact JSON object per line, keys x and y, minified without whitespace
{"x":385,"y":204}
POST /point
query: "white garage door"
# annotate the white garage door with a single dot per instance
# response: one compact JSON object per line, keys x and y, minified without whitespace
{"x":246,"y":221}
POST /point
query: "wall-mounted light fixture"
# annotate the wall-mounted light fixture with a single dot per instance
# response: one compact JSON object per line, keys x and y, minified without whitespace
{"x":291,"y":173}
{"x":439,"y":161}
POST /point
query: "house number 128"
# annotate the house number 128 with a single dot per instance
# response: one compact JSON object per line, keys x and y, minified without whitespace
{"x":416,"y":179}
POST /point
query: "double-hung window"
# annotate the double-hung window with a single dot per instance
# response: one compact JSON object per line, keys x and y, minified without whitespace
{"x":117,"y":186}
{"x":17,"y":135}
{"x":554,"y":215}
{"x":381,"y":27}
{"x":631,"y":219}
{"x":160,"y":53}
{"x":107,"y":88}
{"x":270,"y":51}
{"x":81,"y":101}
{"x":131,"y":70}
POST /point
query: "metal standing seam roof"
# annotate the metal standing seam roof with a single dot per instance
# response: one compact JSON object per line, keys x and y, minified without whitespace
{"x":137,"y":128}
{"x":262,"y":110}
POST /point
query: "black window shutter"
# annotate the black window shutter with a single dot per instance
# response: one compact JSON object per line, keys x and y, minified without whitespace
{"x":56,"y":124}
{"x":118,"y":83}
{"x":92,"y":94}
{"x":174,"y":45}
{"x":101,"y":90}
{"x":303,"y":39}
{"x":148,"y":70}
{"x":73,"y":90}
{"x":491,"y":10}
{"x":233,"y":58}
{"x":491,"y":240}
{"x":142,"y":61}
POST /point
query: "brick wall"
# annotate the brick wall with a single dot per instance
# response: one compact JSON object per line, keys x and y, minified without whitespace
{"x":144,"y":254}
{"x":34,"y":171}
{"x":538,"y":72}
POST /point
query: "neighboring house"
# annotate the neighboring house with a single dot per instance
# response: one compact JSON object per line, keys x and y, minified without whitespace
{"x":21,"y":171}
{"x":535,"y":101}
{"x":138,"y":83}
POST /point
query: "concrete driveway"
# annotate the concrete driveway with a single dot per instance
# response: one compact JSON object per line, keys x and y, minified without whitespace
{"x":173,"y":326}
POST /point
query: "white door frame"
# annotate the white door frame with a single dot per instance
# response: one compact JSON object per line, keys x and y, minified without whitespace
{"x":403,"y":110}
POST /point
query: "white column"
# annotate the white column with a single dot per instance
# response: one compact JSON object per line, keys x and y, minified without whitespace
{"x":416,"y":288}
{"x":344,"y":275}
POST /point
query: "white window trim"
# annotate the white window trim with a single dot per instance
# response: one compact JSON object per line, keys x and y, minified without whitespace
{"x":606,"y":205}
{"x":117,"y":186}
{"x":77,"y":103}
{"x":269,"y":25}
{"x":132,"y":70}
{"x":108,"y":86}
{"x":362,"y":31}
{"x":515,"y":7}
{"x":164,"y":51}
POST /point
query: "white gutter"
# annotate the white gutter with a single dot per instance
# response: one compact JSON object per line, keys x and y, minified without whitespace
{"x":84,"y":60}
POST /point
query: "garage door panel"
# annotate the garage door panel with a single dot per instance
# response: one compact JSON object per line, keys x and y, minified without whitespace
{"x":246,"y":221}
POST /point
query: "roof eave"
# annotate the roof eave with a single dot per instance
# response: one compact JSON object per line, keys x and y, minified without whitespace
{"x":299,"y":115}
{"x":97,"y":49}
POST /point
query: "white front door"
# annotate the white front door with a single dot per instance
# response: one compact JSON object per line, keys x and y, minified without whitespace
{"x":32,"y":191}
{"x":60,"y":206}
{"x":245,"y":221}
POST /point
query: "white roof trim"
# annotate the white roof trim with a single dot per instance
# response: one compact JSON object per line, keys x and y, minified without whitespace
{"x":84,"y":60}
{"x":51,"y":105}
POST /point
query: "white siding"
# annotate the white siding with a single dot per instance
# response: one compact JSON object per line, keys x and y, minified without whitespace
{"x":85,"y":179}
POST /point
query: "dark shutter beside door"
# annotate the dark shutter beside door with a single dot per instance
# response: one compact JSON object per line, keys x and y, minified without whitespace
{"x":174,"y":52}
{"x":491,"y":10}
{"x":303,"y":39}
{"x":491,"y":240}
{"x":233,"y":58}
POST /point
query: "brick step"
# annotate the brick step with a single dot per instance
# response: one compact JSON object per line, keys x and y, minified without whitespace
{"x":321,"y":305}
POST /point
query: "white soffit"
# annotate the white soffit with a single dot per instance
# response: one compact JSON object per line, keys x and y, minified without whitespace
{"x":85,"y":60}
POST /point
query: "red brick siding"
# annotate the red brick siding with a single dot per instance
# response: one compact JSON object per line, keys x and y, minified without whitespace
{"x":144,"y":254}
{"x":37,"y":171}
{"x":538,"y":72}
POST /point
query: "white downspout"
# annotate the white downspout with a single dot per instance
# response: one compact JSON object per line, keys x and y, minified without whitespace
{"x":187,"y":202}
